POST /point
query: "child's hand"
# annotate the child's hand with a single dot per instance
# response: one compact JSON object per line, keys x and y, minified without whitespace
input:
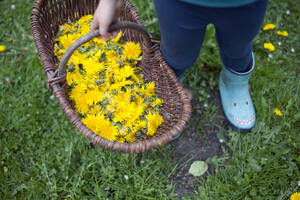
{"x":106,"y":13}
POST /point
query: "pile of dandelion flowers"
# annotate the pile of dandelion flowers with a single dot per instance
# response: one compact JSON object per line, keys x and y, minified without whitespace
{"x":106,"y":85}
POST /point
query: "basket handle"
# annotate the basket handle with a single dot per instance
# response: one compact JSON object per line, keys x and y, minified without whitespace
{"x":85,"y":38}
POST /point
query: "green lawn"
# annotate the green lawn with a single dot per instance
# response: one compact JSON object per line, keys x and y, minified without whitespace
{"x":42,"y":156}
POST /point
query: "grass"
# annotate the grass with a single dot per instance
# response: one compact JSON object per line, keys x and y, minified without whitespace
{"x":42,"y":156}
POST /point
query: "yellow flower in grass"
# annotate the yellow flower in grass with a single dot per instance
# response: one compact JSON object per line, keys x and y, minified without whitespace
{"x":295,"y":196}
{"x":269,"y":46}
{"x":277,"y":112}
{"x":268,"y":27}
{"x":153,"y":122}
{"x":131,"y":50}
{"x":283,"y":33}
{"x":2,"y":48}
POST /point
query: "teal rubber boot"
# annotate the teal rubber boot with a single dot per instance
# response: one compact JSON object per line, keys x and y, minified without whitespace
{"x":236,"y":101}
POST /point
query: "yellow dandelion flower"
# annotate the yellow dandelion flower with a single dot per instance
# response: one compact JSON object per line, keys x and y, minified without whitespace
{"x":135,"y":112}
{"x":76,"y":92}
{"x":150,"y":90}
{"x":269,"y":46}
{"x":77,"y":58}
{"x":84,"y":29}
{"x":77,"y":77}
{"x":111,"y":56}
{"x":277,"y":112}
{"x":131,"y":50}
{"x":142,"y":91}
{"x":94,"y":96}
{"x":91,"y":66}
{"x":137,"y":125}
{"x":283,"y":33}
{"x":89,"y":80}
{"x":130,"y":137}
{"x":153,"y":122}
{"x":124,"y":112}
{"x":106,"y":129}
{"x":101,"y":126}
{"x":81,"y":104}
{"x":98,"y":54}
{"x":158,"y":102}
{"x":95,"y":110}
{"x":85,"y":19}
{"x":91,"y":122}
{"x":66,"y":28}
{"x":2,"y":48}
{"x":67,"y":40}
{"x":69,"y":79}
{"x":139,"y":100}
{"x":117,"y":38}
{"x":126,"y":71}
{"x":295,"y":196}
{"x":269,"y":27}
{"x":99,"y":41}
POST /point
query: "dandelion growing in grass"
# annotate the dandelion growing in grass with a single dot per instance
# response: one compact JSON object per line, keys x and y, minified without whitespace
{"x":295,"y":196}
{"x":269,"y":27}
{"x":269,"y":46}
{"x":2,"y":48}
{"x":277,"y":112}
{"x":282,"y":33}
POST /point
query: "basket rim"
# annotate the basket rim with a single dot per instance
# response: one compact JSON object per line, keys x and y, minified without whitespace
{"x":137,"y":146}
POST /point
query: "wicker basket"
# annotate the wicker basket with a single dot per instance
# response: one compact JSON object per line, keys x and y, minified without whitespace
{"x":46,"y":17}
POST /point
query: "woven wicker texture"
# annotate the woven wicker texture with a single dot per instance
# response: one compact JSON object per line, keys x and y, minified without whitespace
{"x":48,"y":15}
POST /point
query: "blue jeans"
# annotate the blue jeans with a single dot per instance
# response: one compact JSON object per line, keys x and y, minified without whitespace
{"x":182,"y":26}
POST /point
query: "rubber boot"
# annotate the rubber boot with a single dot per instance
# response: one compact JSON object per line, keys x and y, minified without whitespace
{"x":236,"y":101}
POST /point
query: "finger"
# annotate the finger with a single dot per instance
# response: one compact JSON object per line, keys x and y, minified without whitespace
{"x":103,"y":30}
{"x":94,"y":25}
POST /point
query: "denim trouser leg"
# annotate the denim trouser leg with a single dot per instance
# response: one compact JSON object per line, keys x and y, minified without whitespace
{"x":183,"y":25}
